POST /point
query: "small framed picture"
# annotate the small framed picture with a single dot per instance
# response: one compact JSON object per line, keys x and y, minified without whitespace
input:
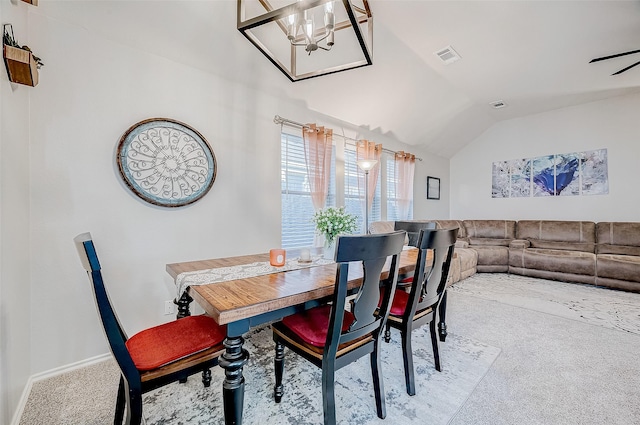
{"x":433,"y":187}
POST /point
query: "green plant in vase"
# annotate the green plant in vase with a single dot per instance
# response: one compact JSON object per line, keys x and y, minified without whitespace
{"x":332,"y":222}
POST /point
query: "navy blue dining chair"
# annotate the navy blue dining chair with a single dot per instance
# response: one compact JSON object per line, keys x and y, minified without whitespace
{"x":329,"y":336}
{"x":153,"y":357}
{"x":419,"y":306}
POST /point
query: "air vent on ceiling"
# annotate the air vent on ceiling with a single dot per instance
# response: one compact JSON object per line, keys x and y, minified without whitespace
{"x":447,"y":55}
{"x":498,"y":104}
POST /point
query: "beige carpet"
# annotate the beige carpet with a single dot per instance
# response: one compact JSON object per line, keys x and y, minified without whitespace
{"x":567,"y":355}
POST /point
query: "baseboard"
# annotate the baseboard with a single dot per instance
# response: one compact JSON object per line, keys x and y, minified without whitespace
{"x":49,"y":374}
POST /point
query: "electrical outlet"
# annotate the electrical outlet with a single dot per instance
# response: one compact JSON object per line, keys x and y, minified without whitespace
{"x":169,"y":307}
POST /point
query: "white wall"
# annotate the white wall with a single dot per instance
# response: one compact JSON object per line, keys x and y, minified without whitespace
{"x":91,"y":90}
{"x":15,"y":293}
{"x":612,"y":124}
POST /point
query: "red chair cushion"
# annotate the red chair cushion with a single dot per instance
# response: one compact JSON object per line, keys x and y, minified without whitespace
{"x":312,"y":325}
{"x":399,"y":303}
{"x":163,"y":344}
{"x":407,"y":280}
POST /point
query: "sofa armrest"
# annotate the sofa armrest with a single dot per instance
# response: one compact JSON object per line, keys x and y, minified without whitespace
{"x":519,"y":244}
{"x":461,"y":243}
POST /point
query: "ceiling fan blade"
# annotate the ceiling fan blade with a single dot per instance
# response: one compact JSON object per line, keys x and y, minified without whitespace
{"x":629,"y":67}
{"x":614,"y":56}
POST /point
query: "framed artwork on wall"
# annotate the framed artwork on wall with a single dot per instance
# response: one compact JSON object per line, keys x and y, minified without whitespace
{"x":165,"y":162}
{"x":433,"y":187}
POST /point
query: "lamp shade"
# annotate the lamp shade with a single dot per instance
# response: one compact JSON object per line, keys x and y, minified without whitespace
{"x":309,"y":38}
{"x":366,"y":164}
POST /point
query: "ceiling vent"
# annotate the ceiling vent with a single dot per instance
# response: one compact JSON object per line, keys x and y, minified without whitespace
{"x":498,"y":104}
{"x":448,"y":55}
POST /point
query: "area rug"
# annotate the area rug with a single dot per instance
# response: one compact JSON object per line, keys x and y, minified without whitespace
{"x":608,"y":308}
{"x":439,"y":394}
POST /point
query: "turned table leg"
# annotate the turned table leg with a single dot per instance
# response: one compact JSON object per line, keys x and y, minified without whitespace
{"x":232,"y":360}
{"x":183,"y":305}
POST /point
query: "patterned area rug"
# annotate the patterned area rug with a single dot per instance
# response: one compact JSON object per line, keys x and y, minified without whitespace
{"x":439,"y":394}
{"x":610,"y":309}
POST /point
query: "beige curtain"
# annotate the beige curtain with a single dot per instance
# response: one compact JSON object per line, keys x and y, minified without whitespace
{"x":405,"y":170}
{"x":317,"y":155}
{"x":366,"y":149}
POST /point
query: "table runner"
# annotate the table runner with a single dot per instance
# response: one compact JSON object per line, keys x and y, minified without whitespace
{"x":241,"y":271}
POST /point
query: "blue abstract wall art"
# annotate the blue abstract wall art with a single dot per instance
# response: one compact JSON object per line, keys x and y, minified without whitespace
{"x":572,"y":174}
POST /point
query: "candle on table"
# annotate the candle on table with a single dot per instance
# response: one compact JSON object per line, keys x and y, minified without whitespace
{"x":277,"y":257}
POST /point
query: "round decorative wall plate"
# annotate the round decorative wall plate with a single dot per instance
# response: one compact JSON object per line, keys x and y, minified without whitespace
{"x":166,"y":162}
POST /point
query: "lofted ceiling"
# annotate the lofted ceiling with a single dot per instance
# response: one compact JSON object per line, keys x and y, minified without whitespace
{"x":533,"y":55}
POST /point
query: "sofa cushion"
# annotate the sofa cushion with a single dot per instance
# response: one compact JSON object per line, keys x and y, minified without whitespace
{"x":381,"y":227}
{"x":378,"y":227}
{"x":554,"y":260}
{"x":566,"y":246}
{"x":561,"y":231}
{"x":501,"y":229}
{"x":452,"y":224}
{"x":621,"y":238}
{"x":492,"y":255}
{"x":621,"y":267}
{"x":603,"y":248}
{"x":468,"y":261}
{"x":489,"y":242}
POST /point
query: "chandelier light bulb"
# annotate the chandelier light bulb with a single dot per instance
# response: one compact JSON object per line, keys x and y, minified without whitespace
{"x":328,"y":7}
{"x":308,"y":30}
{"x":291,"y":28}
{"x":329,"y":17}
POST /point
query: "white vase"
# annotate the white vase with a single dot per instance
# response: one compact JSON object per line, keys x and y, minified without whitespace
{"x":329,"y":250}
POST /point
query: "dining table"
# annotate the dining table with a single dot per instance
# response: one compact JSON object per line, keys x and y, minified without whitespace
{"x":251,"y":301}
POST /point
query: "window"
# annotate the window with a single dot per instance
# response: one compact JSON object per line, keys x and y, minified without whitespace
{"x":392,"y":207}
{"x":353,"y":202}
{"x":297,"y":208}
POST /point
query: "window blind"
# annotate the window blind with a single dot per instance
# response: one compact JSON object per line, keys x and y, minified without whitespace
{"x":297,"y":208}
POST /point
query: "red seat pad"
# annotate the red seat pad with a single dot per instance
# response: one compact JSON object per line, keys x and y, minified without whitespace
{"x":407,"y":280}
{"x":312,"y":325}
{"x":163,"y":344}
{"x":399,"y":303}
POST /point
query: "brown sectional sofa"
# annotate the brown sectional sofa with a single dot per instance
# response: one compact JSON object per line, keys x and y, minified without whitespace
{"x":618,"y":255}
{"x":557,"y":250}
{"x":465,"y":259}
{"x":605,"y":253}
{"x":491,"y":239}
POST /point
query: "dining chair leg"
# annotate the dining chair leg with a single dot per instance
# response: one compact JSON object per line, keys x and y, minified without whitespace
{"x":407,"y":357}
{"x":378,"y":385}
{"x":328,"y":392}
{"x":120,"y":403}
{"x":134,"y":408}
{"x":442,"y":313}
{"x":206,"y":378}
{"x":278,"y":363}
{"x":434,"y":344}
{"x":387,"y":333}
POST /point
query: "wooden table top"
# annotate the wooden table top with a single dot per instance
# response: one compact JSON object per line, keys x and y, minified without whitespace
{"x":240,"y":299}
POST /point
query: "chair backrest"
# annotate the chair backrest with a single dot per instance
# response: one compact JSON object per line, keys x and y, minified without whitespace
{"x":110,"y":323}
{"x":413,"y":229}
{"x":371,"y":253}
{"x":429,"y":283}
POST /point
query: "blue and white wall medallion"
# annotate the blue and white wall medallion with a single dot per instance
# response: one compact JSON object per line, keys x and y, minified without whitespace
{"x":166,"y":162}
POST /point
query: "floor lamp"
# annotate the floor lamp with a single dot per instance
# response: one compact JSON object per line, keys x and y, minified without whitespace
{"x":366,"y":165}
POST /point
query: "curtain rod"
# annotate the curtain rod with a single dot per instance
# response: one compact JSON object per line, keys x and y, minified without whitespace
{"x":279,"y":120}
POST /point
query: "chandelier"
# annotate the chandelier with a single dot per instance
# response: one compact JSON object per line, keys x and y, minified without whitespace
{"x":309,"y":38}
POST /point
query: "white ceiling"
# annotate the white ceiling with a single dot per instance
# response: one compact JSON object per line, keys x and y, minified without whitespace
{"x":534,"y":55}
